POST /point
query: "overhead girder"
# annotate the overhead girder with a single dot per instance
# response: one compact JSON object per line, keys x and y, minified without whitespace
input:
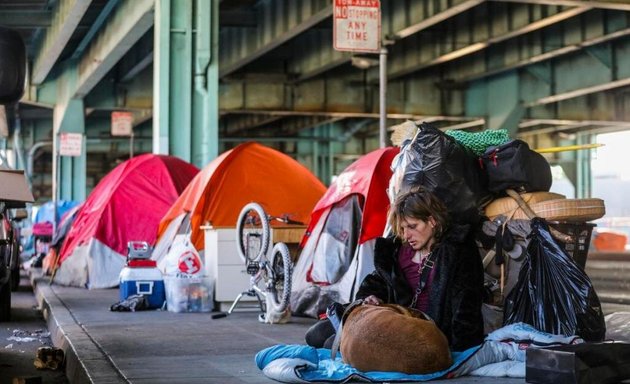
{"x":553,"y":126}
{"x":578,"y":74}
{"x":621,"y":5}
{"x":402,"y":19}
{"x":94,"y":28}
{"x":345,"y":92}
{"x":135,"y":94}
{"x":238,"y":18}
{"x":26,"y":19}
{"x":591,"y":29}
{"x":278,"y":126}
{"x":604,"y":109}
{"x":67,"y":15}
{"x":231,"y":125}
{"x":129,"y":22}
{"x":467,"y":36}
{"x":137,"y":59}
{"x":278,"y":22}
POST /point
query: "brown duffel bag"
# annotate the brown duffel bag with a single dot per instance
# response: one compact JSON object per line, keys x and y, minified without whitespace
{"x":393,"y":338}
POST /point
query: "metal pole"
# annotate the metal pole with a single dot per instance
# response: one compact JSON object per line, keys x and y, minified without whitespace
{"x":383,"y":97}
{"x":131,"y":144}
{"x":56,"y":179}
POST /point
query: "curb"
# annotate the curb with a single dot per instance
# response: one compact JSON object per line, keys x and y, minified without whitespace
{"x":85,"y":361}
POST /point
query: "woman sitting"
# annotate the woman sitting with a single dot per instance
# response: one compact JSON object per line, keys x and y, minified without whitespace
{"x":428,"y":265}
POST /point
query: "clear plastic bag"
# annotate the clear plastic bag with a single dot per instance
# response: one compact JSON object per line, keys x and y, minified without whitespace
{"x":192,"y":294}
{"x":553,"y":294}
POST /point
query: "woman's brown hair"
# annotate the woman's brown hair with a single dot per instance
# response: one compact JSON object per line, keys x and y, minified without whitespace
{"x":421,"y":204}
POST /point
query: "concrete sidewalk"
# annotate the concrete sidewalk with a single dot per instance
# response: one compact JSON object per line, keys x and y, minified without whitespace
{"x":155,"y":346}
{"x":159,"y":346}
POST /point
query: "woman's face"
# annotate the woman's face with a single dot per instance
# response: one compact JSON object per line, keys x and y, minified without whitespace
{"x":418,"y":233}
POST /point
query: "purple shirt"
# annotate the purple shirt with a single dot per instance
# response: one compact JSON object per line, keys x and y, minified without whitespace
{"x":411,"y":272}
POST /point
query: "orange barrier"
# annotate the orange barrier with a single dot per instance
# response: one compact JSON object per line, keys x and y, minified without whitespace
{"x":610,"y":241}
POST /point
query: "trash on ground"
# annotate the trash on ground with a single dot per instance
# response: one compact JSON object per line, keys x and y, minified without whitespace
{"x":49,"y":358}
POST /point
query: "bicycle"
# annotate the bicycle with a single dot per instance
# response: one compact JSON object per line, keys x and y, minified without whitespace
{"x":253,"y":231}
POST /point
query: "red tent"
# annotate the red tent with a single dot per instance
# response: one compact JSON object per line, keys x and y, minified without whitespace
{"x":337,"y":245}
{"x":368,"y":177}
{"x":126,"y":205}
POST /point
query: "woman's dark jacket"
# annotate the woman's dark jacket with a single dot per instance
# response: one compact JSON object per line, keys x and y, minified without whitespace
{"x":456,"y":291}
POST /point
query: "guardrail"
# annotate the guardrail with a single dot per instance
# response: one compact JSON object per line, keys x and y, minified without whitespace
{"x":610,"y":274}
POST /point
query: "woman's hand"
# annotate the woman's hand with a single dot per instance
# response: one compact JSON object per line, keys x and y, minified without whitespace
{"x":372,"y":300}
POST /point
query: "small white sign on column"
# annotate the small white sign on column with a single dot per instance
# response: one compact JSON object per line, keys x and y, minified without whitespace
{"x":70,"y":144}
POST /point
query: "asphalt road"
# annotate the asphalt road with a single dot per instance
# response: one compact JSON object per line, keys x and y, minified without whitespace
{"x":22,"y":336}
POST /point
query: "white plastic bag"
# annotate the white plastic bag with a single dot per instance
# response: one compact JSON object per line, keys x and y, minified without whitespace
{"x":182,"y":259}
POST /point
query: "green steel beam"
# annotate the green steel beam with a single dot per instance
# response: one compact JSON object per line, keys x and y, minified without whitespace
{"x":94,"y":28}
{"x":137,"y":59}
{"x":506,"y":24}
{"x":186,"y":80}
{"x":26,"y":19}
{"x":407,"y":18}
{"x":135,"y":95}
{"x":162,"y":77}
{"x":174,"y":47}
{"x":205,"y":114}
{"x":581,"y":74}
{"x":278,"y":23}
{"x":563,"y":39}
{"x":67,"y":15}
{"x":621,"y":5}
{"x":498,"y":99}
{"x":129,"y":22}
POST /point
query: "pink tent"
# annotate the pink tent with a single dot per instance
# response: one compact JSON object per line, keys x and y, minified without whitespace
{"x":126,"y":205}
{"x":337,"y":248}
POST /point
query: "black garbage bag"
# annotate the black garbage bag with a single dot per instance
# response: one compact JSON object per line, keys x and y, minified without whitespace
{"x":451,"y":171}
{"x":553,"y":294}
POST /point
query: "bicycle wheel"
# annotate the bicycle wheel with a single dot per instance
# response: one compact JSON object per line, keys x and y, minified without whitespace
{"x":252,"y":233}
{"x":279,"y":286}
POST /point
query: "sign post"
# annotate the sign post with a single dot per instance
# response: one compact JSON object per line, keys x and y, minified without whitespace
{"x":357,"y":28}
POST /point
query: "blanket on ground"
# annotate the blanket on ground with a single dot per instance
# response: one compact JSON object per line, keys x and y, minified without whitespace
{"x":501,"y":354}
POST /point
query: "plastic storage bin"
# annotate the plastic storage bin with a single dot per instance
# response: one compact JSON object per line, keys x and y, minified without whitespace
{"x":189,"y":294}
{"x":142,"y":277}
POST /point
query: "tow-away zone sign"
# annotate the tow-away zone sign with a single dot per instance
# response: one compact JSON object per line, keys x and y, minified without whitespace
{"x":357,"y":25}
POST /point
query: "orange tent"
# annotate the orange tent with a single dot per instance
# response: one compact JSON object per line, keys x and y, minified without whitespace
{"x":248,"y":173}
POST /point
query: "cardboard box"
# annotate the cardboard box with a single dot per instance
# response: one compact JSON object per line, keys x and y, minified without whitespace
{"x":14,"y":190}
{"x":587,"y":363}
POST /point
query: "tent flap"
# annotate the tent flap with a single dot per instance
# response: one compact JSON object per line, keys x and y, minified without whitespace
{"x":331,"y":264}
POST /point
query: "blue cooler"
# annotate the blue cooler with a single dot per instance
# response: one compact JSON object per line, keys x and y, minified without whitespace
{"x":141,"y":276}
